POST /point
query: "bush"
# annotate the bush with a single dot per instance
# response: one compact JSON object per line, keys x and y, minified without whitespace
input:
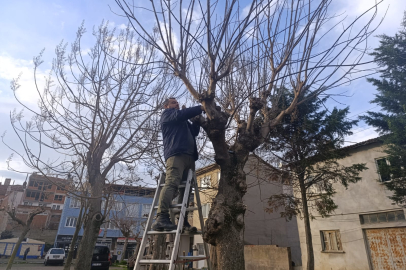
{"x":6,"y":235}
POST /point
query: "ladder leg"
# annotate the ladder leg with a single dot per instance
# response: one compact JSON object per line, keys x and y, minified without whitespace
{"x":199,"y":206}
{"x":137,"y":265}
{"x":181,"y":219}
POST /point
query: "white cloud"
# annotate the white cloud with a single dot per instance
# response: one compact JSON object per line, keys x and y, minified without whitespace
{"x":11,"y":68}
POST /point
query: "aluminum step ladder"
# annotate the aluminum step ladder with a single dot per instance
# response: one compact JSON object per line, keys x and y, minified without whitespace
{"x":182,"y":208}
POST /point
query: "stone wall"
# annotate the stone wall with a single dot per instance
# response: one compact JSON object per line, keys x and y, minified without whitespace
{"x":265,"y":257}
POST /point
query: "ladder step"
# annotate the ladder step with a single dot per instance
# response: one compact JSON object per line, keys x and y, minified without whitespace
{"x":180,"y":186}
{"x":191,"y":257}
{"x":155,"y":261}
{"x":171,"y":232}
{"x":187,"y":209}
{"x":179,"y":206}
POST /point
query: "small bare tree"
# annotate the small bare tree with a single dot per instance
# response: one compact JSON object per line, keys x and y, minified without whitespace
{"x":79,"y":224}
{"x":237,"y":63}
{"x":26,"y":228}
{"x":93,"y":113}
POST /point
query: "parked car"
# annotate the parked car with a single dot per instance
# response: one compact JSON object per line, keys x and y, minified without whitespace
{"x":54,"y":256}
{"x":101,"y":258}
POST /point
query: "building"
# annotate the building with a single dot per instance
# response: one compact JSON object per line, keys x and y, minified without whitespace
{"x":367,"y":230}
{"x":46,"y":191}
{"x":261,"y":228}
{"x":10,"y":196}
{"x":36,"y":248}
{"x":127,"y":203}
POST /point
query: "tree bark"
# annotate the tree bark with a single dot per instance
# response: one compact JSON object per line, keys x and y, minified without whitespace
{"x":124,"y":248}
{"x":159,"y":251}
{"x":224,"y":229}
{"x":74,"y":239}
{"x":308,"y":232}
{"x":16,"y":247}
{"x":94,"y":219}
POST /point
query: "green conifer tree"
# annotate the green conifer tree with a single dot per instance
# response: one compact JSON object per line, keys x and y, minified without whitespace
{"x":391,"y":122}
{"x":309,"y":143}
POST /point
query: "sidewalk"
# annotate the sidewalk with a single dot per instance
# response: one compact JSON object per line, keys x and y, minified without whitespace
{"x":4,"y":260}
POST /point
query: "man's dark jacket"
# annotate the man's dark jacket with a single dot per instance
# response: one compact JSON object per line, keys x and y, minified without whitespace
{"x":175,"y":125}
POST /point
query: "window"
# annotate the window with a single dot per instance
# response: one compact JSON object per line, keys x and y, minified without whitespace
{"x":382,"y":217}
{"x":331,"y":241}
{"x":58,"y":197}
{"x":117,"y":206}
{"x":205,"y":210}
{"x":200,"y":249}
{"x":111,"y":225}
{"x":25,"y":203}
{"x":382,"y":165}
{"x":132,"y":210}
{"x":60,"y":187}
{"x":205,"y":181}
{"x":146,"y":208}
{"x":58,"y":207}
{"x":54,"y":207}
{"x":70,"y":222}
{"x":32,"y":194}
{"x":103,"y":205}
{"x":74,"y":203}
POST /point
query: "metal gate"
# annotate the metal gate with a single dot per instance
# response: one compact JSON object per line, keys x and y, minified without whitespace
{"x":387,"y":248}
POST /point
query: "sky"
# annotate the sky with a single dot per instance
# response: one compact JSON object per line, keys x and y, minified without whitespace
{"x":29,"y":26}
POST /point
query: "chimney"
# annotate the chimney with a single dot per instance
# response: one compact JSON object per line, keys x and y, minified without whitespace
{"x":7,"y":181}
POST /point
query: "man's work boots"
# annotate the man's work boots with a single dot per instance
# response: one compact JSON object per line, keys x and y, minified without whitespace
{"x":188,"y":228}
{"x":163,"y":223}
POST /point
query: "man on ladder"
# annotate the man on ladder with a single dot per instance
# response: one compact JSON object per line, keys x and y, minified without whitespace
{"x":180,"y":153}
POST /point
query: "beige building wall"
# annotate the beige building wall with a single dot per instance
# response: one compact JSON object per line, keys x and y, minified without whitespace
{"x":261,"y":227}
{"x":365,"y":197}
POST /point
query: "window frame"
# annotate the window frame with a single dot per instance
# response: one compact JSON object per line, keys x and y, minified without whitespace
{"x":206,"y":209}
{"x":71,"y":222}
{"x":74,"y":203}
{"x":327,"y":241}
{"x":135,"y":210}
{"x":378,"y":172}
{"x":144,"y":211}
{"x":206,"y":178}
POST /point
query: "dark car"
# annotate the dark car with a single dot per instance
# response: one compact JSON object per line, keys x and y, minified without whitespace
{"x":101,"y":258}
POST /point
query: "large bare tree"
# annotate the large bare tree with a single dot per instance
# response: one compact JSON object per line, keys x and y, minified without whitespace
{"x":93,"y":116}
{"x":237,"y":61}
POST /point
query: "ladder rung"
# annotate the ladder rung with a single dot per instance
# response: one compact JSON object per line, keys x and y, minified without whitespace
{"x":187,"y":209}
{"x":180,"y":186}
{"x":179,"y":206}
{"x":191,"y":257}
{"x":171,"y":232}
{"x":161,"y":232}
{"x":155,"y":261}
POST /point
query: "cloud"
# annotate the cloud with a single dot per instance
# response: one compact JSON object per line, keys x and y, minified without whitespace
{"x":13,"y":68}
{"x":360,"y":134}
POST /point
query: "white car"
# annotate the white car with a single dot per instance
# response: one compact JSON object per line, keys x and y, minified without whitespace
{"x":55,"y":256}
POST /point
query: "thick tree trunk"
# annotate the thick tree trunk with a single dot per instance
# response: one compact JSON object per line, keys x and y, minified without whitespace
{"x":69,"y":259}
{"x":225,"y":225}
{"x":16,"y":247}
{"x":93,"y":221}
{"x":158,"y":251}
{"x":124,"y":248}
{"x":308,"y":232}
